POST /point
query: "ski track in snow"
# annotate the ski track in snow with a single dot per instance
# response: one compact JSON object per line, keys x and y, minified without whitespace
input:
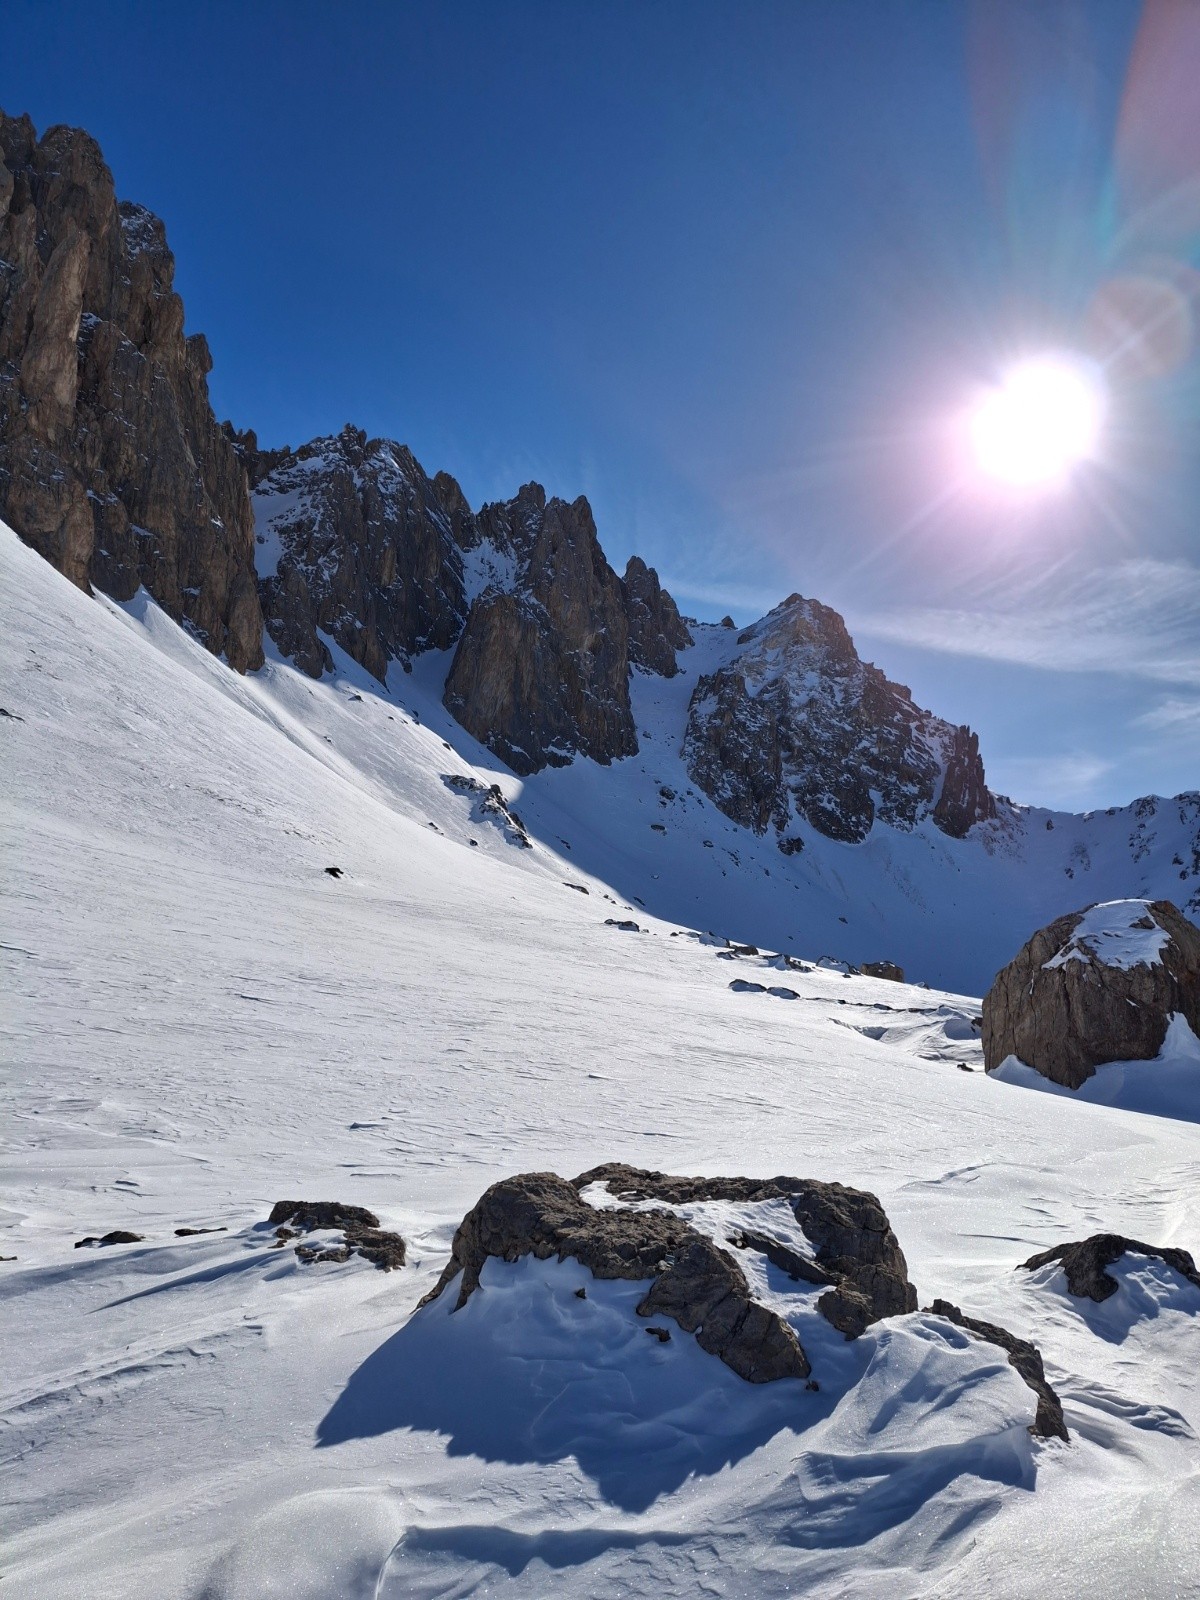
{"x":201,"y":1022}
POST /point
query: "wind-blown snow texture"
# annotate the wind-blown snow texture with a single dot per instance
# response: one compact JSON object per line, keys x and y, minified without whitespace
{"x":202,"y":1022}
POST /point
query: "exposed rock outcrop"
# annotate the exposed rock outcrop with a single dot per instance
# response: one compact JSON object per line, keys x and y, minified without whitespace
{"x":112,"y":465}
{"x":848,"y":1229}
{"x":695,"y":1280}
{"x":796,"y":727}
{"x":1025,"y":1358}
{"x":355,"y":541}
{"x":489,"y":805}
{"x":702,"y":1287}
{"x":1094,"y":986}
{"x":883,"y":969}
{"x":656,"y":630}
{"x":965,"y":798}
{"x":360,"y":1230}
{"x":1084,"y":1262}
{"x":541,"y":672}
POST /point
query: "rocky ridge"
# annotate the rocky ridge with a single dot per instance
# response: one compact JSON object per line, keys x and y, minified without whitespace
{"x":112,"y":465}
{"x":795,"y":728}
{"x":541,"y":672}
{"x":356,"y":542}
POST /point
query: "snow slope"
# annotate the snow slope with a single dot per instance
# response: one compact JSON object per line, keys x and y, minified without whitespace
{"x":202,"y":1021}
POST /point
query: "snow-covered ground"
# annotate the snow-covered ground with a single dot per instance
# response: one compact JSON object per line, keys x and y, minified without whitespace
{"x":202,"y":1021}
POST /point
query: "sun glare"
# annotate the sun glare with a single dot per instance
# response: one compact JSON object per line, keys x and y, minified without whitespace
{"x":1041,"y":420}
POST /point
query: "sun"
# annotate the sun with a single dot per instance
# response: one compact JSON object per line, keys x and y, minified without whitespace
{"x":1043,"y":418}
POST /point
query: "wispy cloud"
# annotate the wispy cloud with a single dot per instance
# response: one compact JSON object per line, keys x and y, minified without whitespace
{"x":1136,"y":619}
{"x":749,"y":602}
{"x":1069,"y":779}
{"x":1176,"y":714}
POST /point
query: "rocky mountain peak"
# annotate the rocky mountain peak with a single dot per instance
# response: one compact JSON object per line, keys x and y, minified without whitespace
{"x":795,"y":728}
{"x":112,"y":465}
{"x":799,"y":623}
{"x":354,"y":542}
{"x":542,"y":669}
{"x":656,"y":630}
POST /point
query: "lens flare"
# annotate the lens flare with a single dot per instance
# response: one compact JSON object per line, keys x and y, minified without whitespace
{"x":1039,"y":422}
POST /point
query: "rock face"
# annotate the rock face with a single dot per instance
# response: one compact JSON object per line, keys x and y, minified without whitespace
{"x":656,"y":630}
{"x":353,"y":540}
{"x":1094,"y":986}
{"x":541,"y":672}
{"x":356,"y":542}
{"x":112,"y":465}
{"x":1025,"y":1359}
{"x":694,"y":1280}
{"x":794,"y":727}
{"x":1085,"y":1260}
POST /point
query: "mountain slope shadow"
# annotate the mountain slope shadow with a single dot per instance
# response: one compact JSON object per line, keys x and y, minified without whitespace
{"x":530,"y":1372}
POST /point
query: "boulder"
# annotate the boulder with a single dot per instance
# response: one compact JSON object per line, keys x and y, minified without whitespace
{"x":359,"y":1227}
{"x":1085,"y":1260}
{"x":694,"y":1280}
{"x":1094,"y":986}
{"x":883,"y":969}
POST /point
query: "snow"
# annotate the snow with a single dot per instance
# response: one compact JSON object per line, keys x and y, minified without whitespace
{"x":201,"y":1022}
{"x":1116,"y":934}
{"x":1168,"y":1086}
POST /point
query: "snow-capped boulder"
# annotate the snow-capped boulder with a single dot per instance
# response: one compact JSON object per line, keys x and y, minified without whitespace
{"x":112,"y":465}
{"x":1085,"y":1263}
{"x":622,"y":1222}
{"x":360,"y":1230}
{"x":796,"y":727}
{"x":1094,"y":986}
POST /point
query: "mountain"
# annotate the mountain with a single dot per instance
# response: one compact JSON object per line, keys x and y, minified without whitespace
{"x":201,"y":1022}
{"x":797,"y":795}
{"x":795,"y":727}
{"x":365,"y":847}
{"x":112,"y":465}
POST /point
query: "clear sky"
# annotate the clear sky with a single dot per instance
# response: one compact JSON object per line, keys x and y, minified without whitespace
{"x":736,"y":272}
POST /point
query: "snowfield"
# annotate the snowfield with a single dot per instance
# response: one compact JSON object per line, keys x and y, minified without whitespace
{"x":203,"y":1021}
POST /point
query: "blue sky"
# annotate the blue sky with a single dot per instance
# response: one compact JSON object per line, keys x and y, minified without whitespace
{"x":732,"y":271}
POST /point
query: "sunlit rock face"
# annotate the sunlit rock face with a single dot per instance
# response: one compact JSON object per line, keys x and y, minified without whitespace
{"x":1094,"y":986}
{"x":112,"y":465}
{"x":796,"y":728}
{"x":541,"y":673}
{"x":356,"y":542}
